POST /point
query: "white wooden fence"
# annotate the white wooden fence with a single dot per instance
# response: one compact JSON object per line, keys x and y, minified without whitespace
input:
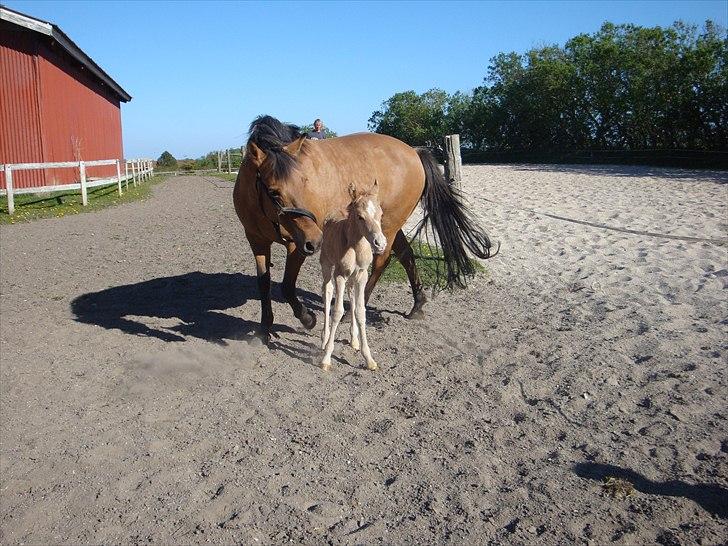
{"x":141,"y":169}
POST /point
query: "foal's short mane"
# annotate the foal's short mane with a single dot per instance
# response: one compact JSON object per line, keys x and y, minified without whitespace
{"x":271,"y":135}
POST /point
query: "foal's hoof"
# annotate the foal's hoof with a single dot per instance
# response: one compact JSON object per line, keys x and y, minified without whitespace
{"x":355,"y":344}
{"x":372,"y":365}
{"x":308,"y":319}
{"x":325,"y":365}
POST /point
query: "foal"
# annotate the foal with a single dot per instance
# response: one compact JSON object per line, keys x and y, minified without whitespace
{"x":346,"y":254}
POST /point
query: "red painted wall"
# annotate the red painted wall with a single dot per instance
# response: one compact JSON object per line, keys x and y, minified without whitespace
{"x":53,"y":110}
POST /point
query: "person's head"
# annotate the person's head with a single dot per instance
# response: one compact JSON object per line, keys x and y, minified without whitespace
{"x":317,"y":125}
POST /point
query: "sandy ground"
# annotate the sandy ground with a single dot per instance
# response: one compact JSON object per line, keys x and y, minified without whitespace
{"x":134,"y":408}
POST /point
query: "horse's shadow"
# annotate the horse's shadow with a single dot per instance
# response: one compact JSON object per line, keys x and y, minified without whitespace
{"x":713,"y":498}
{"x":194,"y":301}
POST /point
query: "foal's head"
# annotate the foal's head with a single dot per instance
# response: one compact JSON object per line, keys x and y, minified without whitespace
{"x":366,"y":213}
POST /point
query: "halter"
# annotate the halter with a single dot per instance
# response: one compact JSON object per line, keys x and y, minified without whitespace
{"x":280,"y":209}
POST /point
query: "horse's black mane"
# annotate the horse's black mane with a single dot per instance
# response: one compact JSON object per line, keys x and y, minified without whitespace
{"x":271,"y":135}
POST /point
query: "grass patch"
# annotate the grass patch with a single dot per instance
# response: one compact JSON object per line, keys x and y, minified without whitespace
{"x":426,"y":261}
{"x":31,"y":206}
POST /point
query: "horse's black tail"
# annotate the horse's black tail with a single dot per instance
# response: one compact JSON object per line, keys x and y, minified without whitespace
{"x":456,"y":230}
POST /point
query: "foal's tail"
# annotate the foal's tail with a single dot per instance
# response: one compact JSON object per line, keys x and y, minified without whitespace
{"x":455,"y":228}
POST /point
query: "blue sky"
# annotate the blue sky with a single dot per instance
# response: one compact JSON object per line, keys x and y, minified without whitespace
{"x":199,"y":72}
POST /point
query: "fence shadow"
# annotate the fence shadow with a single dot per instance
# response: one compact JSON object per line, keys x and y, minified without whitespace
{"x":195,"y":301}
{"x":711,"y":497}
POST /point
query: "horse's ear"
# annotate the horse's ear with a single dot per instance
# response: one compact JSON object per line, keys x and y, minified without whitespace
{"x":352,"y":191}
{"x":256,"y":155}
{"x":375,"y":188}
{"x":294,"y":148}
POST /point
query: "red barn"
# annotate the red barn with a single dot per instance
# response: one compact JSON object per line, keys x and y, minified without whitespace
{"x":56,"y":103}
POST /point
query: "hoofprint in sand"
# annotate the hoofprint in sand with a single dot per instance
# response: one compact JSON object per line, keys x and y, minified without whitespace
{"x":134,"y":408}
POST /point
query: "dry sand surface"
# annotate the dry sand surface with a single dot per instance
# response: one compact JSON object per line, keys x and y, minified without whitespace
{"x":135,"y":409}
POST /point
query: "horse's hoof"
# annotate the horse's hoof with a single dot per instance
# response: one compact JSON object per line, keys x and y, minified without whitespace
{"x":355,"y":344}
{"x":308,"y":319}
{"x":416,"y":314}
{"x":325,"y":366}
{"x":372,"y":366}
{"x":261,"y":338}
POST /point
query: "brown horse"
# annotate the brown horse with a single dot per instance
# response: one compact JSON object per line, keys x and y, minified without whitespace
{"x":287,"y":186}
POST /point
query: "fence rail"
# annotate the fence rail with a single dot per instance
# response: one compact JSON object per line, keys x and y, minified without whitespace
{"x":663,"y":158}
{"x":140,"y":169}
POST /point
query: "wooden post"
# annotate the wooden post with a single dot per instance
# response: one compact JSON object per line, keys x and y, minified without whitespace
{"x":133,"y":172}
{"x":453,"y":161}
{"x":9,"y":188}
{"x":126,"y":174}
{"x":230,"y":167}
{"x":84,"y":193}
{"x":118,"y":175}
{"x":219,"y":161}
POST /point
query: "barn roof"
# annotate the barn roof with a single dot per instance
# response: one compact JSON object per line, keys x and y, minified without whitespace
{"x":49,"y":29}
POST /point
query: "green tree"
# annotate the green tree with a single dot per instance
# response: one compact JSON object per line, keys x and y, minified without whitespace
{"x":420,"y":119}
{"x":166,"y":160}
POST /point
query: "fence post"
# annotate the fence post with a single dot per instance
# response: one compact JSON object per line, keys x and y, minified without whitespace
{"x":84,"y":193}
{"x":126,"y":174}
{"x":230,"y":167}
{"x":453,"y":161}
{"x":9,"y":188}
{"x":118,"y":175}
{"x":219,"y":161}
{"x":133,"y":172}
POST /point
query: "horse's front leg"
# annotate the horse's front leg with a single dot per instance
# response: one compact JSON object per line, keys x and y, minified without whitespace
{"x":406,"y":257}
{"x":327,"y":292}
{"x":338,"y":313}
{"x":294,"y":260}
{"x":361,"y":318}
{"x":379,"y":264}
{"x":354,"y":329}
{"x":262,"y":266}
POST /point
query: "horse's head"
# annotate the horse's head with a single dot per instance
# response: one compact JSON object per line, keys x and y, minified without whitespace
{"x":284,"y":195}
{"x":366,"y":212}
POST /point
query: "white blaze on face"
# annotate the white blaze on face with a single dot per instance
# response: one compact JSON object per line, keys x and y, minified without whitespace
{"x":371,"y":209}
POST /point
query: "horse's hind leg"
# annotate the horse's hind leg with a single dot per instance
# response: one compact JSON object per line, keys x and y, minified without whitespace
{"x":261,"y":250}
{"x":403,"y":251}
{"x":294,"y":260}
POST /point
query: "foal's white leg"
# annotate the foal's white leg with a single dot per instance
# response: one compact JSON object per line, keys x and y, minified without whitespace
{"x":352,"y":315}
{"x":338,"y":313}
{"x":327,"y":292}
{"x":361,"y":317}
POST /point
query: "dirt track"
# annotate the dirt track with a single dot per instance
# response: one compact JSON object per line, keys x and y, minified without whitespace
{"x":134,"y":408}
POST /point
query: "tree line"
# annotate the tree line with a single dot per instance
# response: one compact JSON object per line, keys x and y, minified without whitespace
{"x":624,"y":87}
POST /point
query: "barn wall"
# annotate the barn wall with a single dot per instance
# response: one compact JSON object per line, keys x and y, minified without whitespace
{"x":80,"y":117}
{"x":52,"y":109}
{"x":20,"y":129}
